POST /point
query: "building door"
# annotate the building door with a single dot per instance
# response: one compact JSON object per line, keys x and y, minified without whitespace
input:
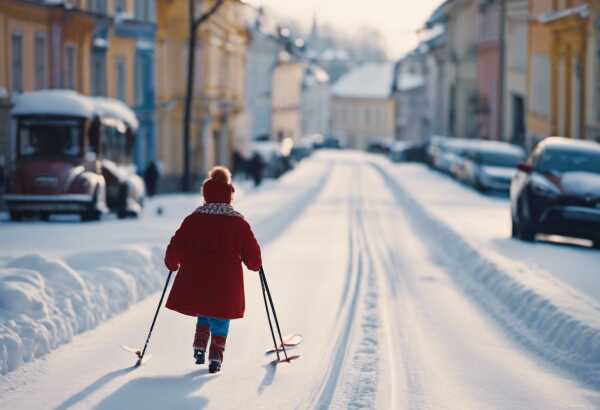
{"x":518,"y":118}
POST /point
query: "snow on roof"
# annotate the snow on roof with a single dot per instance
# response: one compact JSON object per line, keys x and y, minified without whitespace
{"x":54,"y":102}
{"x":118,"y":109}
{"x":569,"y":143}
{"x":68,"y":102}
{"x":409,"y":81}
{"x":372,"y":80}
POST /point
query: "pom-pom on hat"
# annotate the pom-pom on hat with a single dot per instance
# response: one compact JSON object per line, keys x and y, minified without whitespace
{"x":217,"y":188}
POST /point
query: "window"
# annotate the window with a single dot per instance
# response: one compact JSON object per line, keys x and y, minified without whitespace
{"x":99,"y":73}
{"x":144,"y":10}
{"x":120,"y":6}
{"x":121,"y":80}
{"x":17,"y":62}
{"x":41,"y":61}
{"x":70,"y":67}
{"x":98,"y":6}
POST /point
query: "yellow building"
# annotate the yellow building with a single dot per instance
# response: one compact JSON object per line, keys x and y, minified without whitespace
{"x":558,"y":64}
{"x":42,"y":46}
{"x":218,"y":90}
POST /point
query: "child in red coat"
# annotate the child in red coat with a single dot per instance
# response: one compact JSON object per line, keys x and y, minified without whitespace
{"x":208,"y":249}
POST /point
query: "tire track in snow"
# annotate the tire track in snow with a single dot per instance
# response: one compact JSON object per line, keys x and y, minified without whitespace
{"x":353,"y":379}
{"x":352,"y":287}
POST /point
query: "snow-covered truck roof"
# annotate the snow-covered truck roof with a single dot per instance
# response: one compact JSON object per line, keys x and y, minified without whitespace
{"x":54,"y":102}
{"x":118,"y":109}
{"x":70,"y":103}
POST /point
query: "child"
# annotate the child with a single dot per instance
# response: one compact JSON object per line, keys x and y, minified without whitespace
{"x":208,"y":249}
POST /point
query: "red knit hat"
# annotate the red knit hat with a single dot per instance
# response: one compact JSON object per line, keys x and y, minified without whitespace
{"x":217,"y":188}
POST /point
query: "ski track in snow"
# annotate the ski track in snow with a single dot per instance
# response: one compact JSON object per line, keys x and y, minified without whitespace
{"x":356,"y":266}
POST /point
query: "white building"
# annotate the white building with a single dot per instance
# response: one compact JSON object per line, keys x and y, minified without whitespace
{"x":413,"y":120}
{"x":362,"y":105}
{"x":263,"y":54}
{"x":300,"y":99}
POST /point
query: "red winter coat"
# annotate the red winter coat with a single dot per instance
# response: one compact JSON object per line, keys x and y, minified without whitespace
{"x":209,"y":250}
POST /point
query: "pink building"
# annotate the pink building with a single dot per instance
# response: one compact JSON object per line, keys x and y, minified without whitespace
{"x":489,"y":69}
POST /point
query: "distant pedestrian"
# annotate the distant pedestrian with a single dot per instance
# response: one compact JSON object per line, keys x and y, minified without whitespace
{"x":239,"y":164}
{"x":208,"y":249}
{"x":151,"y":178}
{"x":256,"y":168}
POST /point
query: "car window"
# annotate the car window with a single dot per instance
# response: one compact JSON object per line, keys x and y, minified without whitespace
{"x":557,"y":161}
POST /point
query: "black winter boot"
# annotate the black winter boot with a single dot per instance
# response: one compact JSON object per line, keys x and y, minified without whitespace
{"x":199,"y":355}
{"x":214,"y":366}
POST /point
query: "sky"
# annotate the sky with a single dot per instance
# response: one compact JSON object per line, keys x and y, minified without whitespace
{"x":397,"y":20}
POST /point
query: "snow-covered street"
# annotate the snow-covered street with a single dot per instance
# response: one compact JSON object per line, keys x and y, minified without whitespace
{"x":405,"y":285}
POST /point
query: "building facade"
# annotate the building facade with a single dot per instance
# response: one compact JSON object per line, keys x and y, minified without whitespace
{"x":489,"y":69}
{"x":219,"y":88}
{"x":515,"y":70}
{"x":362,"y":105}
{"x":264,"y":49}
{"x":557,"y":68}
{"x":42,"y":46}
{"x":411,"y":95}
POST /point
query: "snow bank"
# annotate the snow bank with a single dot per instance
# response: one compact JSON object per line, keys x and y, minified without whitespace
{"x":551,"y":319}
{"x":44,"y":302}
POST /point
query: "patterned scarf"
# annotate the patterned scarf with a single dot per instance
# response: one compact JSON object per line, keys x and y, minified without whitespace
{"x":219,"y":209}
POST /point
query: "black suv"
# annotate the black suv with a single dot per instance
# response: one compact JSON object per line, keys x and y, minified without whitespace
{"x":557,"y":191}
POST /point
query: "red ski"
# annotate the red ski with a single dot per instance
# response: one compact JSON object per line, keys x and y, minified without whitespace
{"x":288,"y":341}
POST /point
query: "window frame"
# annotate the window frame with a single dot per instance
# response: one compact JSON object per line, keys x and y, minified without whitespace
{"x":17,"y":82}
{"x":70,"y":81}
{"x":41,"y":60}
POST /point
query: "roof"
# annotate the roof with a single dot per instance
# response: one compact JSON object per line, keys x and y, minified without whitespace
{"x":70,"y":103}
{"x":569,"y":143}
{"x":117,"y":109}
{"x":54,"y":102}
{"x":372,"y":80}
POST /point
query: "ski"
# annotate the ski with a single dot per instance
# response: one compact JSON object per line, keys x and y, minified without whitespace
{"x":284,"y":360}
{"x":138,"y":353}
{"x":288,"y":341}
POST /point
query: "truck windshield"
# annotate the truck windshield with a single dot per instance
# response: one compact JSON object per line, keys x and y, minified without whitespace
{"x":49,"y":138}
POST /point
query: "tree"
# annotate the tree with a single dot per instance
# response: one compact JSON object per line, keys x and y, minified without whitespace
{"x":195,"y":22}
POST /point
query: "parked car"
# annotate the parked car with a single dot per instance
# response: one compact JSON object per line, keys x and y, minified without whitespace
{"x":73,"y":154}
{"x":557,"y":191}
{"x":331,"y":142}
{"x":380,"y":145}
{"x":490,"y":165}
{"x":450,"y":155}
{"x":407,"y":151}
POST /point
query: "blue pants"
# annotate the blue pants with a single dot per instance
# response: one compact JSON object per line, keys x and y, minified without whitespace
{"x":218,"y":327}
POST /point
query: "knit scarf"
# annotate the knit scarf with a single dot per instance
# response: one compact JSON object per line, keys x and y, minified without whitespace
{"x":219,"y":209}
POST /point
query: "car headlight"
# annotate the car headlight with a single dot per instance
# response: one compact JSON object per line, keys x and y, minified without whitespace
{"x":541,"y":186}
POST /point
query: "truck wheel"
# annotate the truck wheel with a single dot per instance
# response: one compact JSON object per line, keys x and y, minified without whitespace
{"x":596,"y":244}
{"x":16,"y":216}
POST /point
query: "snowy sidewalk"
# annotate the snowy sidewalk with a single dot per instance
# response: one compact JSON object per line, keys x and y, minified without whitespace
{"x":545,"y":295}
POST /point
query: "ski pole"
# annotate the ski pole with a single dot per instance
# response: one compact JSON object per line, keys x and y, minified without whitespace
{"x":264,"y":277}
{"x":262,"y":284}
{"x":141,"y":356}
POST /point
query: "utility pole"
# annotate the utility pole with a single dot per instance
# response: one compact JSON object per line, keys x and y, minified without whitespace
{"x":501,"y":68}
{"x":194,"y":23}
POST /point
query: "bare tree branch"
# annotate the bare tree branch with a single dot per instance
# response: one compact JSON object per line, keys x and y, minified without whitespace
{"x":202,"y":18}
